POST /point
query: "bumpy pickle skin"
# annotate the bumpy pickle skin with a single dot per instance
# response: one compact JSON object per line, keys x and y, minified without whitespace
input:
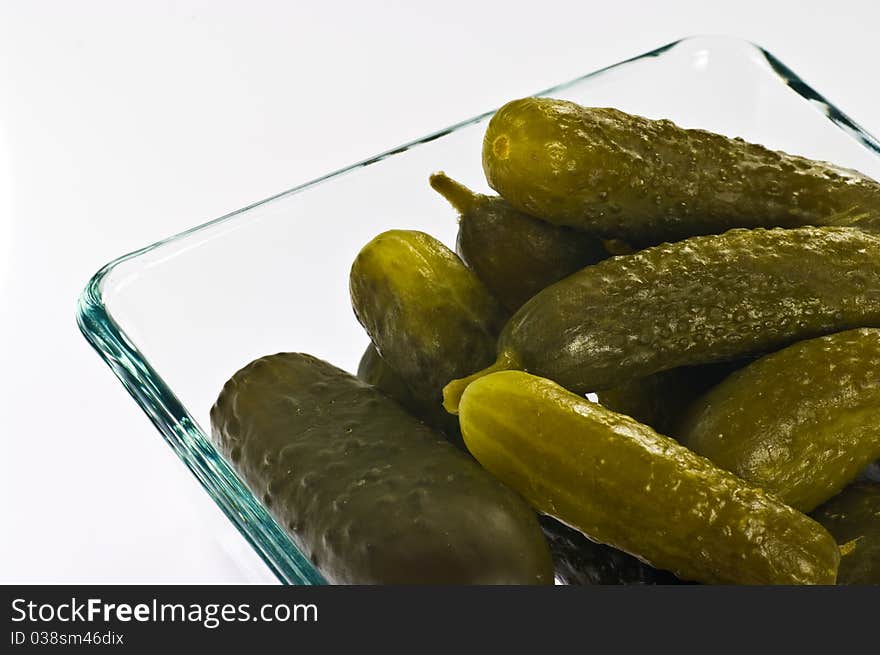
{"x":623,"y":484}
{"x":368,"y":492}
{"x":661,"y":399}
{"x":800,"y":423}
{"x":429,"y":316}
{"x":514,"y":254}
{"x":853,"y":518}
{"x":646,"y":181}
{"x":373,"y":370}
{"x":579,"y":561}
{"x":706,"y":299}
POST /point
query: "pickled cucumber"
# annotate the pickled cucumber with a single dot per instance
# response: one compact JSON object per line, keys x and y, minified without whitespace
{"x":647,"y":181}
{"x":429,"y":316}
{"x":514,"y":254}
{"x":702,"y":300}
{"x":623,"y":484}
{"x":853,"y":518}
{"x":800,"y":423}
{"x":659,"y":400}
{"x":369,"y":493}
{"x":375,"y":371}
{"x":579,"y":561}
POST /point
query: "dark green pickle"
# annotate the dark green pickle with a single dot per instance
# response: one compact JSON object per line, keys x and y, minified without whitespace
{"x":800,"y":423}
{"x":659,"y":400}
{"x":707,"y":299}
{"x":375,"y":371}
{"x":514,"y":254}
{"x":853,"y":518}
{"x":579,"y":561}
{"x":429,"y":316}
{"x":369,"y":493}
{"x":646,"y":181}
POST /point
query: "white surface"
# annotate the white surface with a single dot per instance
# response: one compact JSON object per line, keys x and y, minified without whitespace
{"x":122,"y":123}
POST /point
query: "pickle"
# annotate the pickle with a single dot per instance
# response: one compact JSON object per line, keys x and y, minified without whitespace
{"x":429,"y":316}
{"x":370,"y":494}
{"x":623,"y":484}
{"x":853,"y":518}
{"x":800,"y":423}
{"x":659,"y":400}
{"x":646,"y":181}
{"x":579,"y":561}
{"x":706,"y":299}
{"x":514,"y":254}
{"x":375,"y":371}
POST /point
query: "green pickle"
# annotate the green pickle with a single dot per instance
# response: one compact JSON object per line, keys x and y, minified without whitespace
{"x":800,"y":423}
{"x":707,"y":299}
{"x":853,"y":518}
{"x":618,"y":175}
{"x":579,"y":561}
{"x":370,"y":494}
{"x":429,"y":316}
{"x":661,"y":399}
{"x":375,"y":371}
{"x":514,"y":254}
{"x":623,"y":484}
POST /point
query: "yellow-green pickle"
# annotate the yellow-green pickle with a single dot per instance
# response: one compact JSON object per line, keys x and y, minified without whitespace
{"x":429,"y":316}
{"x":703,"y":300}
{"x":623,"y":484}
{"x":370,"y":494}
{"x":853,"y":518}
{"x":800,"y":423}
{"x":514,"y":254}
{"x":646,"y":181}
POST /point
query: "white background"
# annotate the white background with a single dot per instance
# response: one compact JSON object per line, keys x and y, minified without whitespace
{"x":124,"y":122}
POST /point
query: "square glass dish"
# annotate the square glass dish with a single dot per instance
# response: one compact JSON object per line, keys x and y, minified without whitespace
{"x":176,"y":319}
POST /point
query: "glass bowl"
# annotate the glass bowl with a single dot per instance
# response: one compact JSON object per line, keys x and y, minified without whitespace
{"x":176,"y":319}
